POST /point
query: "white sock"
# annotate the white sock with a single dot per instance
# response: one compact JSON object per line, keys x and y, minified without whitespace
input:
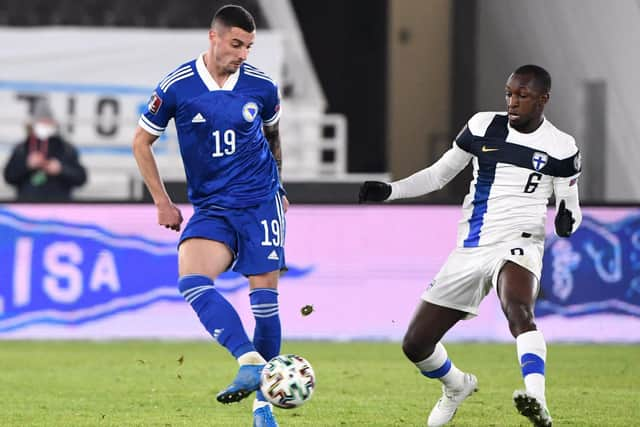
{"x":259,"y":404}
{"x":439,"y":366}
{"x":251,"y":358}
{"x":532,"y":347}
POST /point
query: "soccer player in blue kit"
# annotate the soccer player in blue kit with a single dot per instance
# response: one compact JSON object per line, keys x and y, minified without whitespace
{"x":519,"y":160}
{"x":226,"y":115}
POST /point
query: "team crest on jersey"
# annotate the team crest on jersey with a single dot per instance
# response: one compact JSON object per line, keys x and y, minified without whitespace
{"x":577,"y":162}
{"x":154,"y":103}
{"x":250,"y":111}
{"x":539,"y":160}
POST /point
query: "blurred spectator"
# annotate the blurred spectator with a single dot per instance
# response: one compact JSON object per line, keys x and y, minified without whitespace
{"x":44,"y":167}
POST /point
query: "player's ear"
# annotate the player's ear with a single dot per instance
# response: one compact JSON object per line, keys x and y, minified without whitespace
{"x":545,"y":98}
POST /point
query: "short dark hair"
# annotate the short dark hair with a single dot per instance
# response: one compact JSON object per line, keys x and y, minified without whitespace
{"x":541,"y":77}
{"x":232,"y":15}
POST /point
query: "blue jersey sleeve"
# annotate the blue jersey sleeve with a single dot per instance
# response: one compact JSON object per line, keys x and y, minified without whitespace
{"x":271,"y":110}
{"x":464,"y":140}
{"x":160,"y":109}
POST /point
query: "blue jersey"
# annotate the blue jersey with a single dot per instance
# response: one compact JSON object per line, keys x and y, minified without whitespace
{"x":226,"y":156}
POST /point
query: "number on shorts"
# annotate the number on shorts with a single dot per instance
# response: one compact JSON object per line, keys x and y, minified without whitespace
{"x":517,"y":251}
{"x":272,"y":235}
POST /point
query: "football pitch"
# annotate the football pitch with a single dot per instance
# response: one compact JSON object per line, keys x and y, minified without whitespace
{"x":136,"y":383}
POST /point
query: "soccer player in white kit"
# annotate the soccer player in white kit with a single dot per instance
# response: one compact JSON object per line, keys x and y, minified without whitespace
{"x":519,"y":160}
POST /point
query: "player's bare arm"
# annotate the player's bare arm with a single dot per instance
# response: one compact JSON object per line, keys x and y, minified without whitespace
{"x":272,"y":133}
{"x":168,"y":214}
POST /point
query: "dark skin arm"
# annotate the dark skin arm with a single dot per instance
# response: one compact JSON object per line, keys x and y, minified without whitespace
{"x":272,"y":133}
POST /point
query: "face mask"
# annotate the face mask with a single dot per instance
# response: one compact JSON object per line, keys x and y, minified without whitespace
{"x":44,"y":130}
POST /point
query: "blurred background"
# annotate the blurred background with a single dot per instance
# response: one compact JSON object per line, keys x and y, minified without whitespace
{"x":375,"y":91}
{"x":369,"y":92}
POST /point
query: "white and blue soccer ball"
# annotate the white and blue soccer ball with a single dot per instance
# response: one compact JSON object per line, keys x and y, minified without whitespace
{"x":287,"y":381}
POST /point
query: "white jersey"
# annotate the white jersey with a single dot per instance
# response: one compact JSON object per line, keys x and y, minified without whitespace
{"x":513,"y":178}
{"x":514,"y":173}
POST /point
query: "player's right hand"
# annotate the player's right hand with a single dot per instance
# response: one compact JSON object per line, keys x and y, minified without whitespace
{"x":170,"y":216}
{"x":374,"y":191}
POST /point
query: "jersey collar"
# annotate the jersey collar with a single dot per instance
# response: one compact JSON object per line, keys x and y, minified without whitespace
{"x":208,"y":80}
{"x":531,"y":135}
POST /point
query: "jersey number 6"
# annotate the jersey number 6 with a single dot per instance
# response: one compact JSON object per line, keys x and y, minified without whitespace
{"x":229,"y":140}
{"x":532,"y":182}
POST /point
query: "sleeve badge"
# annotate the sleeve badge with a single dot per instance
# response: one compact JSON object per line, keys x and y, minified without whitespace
{"x":154,"y":103}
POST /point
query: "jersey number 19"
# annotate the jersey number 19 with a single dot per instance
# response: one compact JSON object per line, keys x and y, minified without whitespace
{"x":224,"y":146}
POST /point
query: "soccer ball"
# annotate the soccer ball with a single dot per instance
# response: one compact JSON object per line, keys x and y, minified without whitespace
{"x":287,"y":381}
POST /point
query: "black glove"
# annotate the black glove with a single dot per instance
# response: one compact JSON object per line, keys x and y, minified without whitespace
{"x":564,"y":221}
{"x":374,"y":191}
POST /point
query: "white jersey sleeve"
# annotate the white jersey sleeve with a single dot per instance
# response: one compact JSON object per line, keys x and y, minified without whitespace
{"x":566,"y":188}
{"x":432,"y":178}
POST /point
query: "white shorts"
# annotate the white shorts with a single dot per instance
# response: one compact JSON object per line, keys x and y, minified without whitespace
{"x":469,"y":273}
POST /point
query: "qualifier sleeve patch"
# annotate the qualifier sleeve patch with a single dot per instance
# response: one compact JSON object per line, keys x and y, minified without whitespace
{"x":154,"y":103}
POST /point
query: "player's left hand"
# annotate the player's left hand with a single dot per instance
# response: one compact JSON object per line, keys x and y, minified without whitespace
{"x":374,"y":191}
{"x":285,"y":204}
{"x":564,"y":221}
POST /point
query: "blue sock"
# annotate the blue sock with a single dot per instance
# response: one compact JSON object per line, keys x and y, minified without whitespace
{"x":218,"y":317}
{"x":268,"y":334}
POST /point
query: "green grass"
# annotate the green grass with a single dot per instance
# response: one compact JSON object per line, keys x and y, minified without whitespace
{"x":359,"y":384}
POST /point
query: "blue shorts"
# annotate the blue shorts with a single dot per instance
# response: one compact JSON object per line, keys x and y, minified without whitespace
{"x":255,"y":235}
